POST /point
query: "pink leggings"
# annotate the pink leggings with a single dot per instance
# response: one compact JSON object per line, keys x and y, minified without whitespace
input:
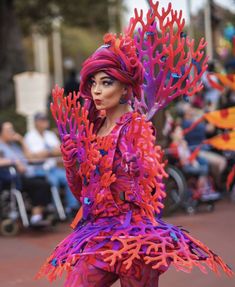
{"x":87,"y":275}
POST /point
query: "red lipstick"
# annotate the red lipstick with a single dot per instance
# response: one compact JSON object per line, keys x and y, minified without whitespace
{"x":98,"y":102}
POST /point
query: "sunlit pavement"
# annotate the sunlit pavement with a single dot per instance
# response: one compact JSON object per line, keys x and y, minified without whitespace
{"x":21,"y":256}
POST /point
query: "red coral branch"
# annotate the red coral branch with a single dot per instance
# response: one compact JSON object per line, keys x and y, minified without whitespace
{"x":173,"y":65}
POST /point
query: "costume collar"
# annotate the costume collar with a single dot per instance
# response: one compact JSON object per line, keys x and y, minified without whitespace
{"x":124,"y":118}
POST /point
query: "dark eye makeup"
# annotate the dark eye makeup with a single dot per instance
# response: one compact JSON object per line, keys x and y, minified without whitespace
{"x":106,"y":81}
{"x":91,"y":81}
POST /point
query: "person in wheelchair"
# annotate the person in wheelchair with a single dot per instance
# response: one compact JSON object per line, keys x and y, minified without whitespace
{"x":198,"y":167}
{"x":217,"y":162}
{"x":44,"y":144}
{"x":14,"y":153}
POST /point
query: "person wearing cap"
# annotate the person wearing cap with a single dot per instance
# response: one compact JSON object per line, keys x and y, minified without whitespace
{"x":44,"y":144}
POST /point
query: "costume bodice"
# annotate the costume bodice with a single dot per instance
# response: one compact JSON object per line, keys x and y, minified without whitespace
{"x":109,"y":190}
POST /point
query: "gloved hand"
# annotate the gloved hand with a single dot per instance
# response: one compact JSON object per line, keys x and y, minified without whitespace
{"x":130,"y":163}
{"x":69,"y":151}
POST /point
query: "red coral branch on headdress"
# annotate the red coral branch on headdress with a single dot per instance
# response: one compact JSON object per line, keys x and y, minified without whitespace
{"x":173,"y":65}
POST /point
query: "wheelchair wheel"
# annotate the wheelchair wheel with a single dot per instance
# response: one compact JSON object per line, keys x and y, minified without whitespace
{"x":9,"y":227}
{"x":176,"y":187}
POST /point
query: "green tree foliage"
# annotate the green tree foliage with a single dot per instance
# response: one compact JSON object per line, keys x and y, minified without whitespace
{"x":12,"y":60}
{"x":17,"y":16}
{"x":81,"y":13}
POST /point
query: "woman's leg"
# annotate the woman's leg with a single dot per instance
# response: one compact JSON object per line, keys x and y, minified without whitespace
{"x":87,"y":275}
{"x":217,"y":163}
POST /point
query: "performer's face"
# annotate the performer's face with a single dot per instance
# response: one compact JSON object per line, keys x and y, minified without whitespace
{"x":106,"y":91}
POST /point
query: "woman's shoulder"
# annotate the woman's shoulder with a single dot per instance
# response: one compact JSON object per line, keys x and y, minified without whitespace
{"x":133,"y":118}
{"x":139,"y":123}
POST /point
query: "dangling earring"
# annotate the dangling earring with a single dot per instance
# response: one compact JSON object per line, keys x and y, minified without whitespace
{"x":124,"y":98}
{"x":123,"y":101}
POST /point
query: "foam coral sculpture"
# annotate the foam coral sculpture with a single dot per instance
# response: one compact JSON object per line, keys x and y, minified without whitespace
{"x":172,"y":61}
{"x":72,"y":120}
{"x":141,"y":142}
{"x":169,"y":245}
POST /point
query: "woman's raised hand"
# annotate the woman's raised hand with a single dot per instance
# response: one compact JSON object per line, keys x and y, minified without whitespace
{"x":69,"y":150}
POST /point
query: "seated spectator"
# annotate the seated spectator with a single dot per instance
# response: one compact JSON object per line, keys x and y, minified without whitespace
{"x":228,"y":99}
{"x":44,"y":144}
{"x":199,"y":166}
{"x":14,"y":152}
{"x":195,"y":137}
{"x":211,"y":95}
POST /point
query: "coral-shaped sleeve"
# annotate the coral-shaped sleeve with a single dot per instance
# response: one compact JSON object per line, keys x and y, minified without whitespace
{"x":69,"y":155}
{"x":138,"y":141}
{"x":76,"y":134}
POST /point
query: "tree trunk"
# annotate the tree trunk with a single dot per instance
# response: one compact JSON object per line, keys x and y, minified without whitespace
{"x":12,"y":59}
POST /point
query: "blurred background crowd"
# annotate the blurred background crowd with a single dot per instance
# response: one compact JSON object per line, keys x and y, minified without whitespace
{"x":43,"y":43}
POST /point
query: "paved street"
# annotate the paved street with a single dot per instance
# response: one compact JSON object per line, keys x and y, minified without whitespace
{"x":20,"y":257}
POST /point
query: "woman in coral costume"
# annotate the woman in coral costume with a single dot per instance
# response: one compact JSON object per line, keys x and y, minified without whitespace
{"x":113,"y":166}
